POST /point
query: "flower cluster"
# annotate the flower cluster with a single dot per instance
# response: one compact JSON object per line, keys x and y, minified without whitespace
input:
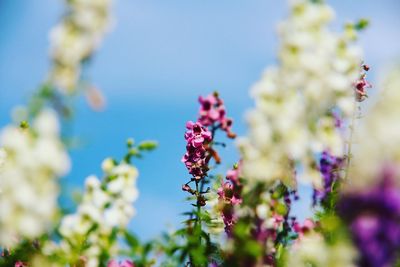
{"x":370,"y":202}
{"x":74,"y":40}
{"x":373,"y":217}
{"x":292,"y":120}
{"x":20,"y":264}
{"x":31,"y":160}
{"x":361,"y":85}
{"x":106,"y":209}
{"x":200,"y":134}
{"x":331,"y":168}
{"x":378,"y":137}
{"x":3,"y":156}
{"x":196,"y":157}
{"x":230,"y":195}
{"x":312,"y":250}
{"x":262,"y":222}
{"x":213,"y":113}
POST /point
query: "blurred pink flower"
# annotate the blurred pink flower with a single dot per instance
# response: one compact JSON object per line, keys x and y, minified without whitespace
{"x":20,"y":264}
{"x":125,"y":263}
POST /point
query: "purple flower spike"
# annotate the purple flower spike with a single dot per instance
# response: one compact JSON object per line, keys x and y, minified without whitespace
{"x":373,"y":217}
{"x":330,"y":169}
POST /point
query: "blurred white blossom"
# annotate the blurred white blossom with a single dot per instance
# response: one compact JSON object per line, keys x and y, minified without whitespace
{"x":292,"y":120}
{"x":30,"y":161}
{"x":75,"y":39}
{"x":312,"y":250}
{"x":106,"y":209}
{"x":377,"y":138}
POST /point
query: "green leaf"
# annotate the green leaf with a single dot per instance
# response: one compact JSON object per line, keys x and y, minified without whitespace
{"x":362,"y":24}
{"x":132,"y":240}
{"x":148,"y":145}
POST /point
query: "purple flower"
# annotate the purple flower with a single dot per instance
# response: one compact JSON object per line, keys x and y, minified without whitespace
{"x":212,"y":113}
{"x":373,"y":217}
{"x":329,"y":167}
{"x":198,"y":137}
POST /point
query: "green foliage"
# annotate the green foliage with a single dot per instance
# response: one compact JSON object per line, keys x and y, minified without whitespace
{"x":47,"y":95}
{"x":148,"y":145}
{"x":362,"y":24}
{"x":24,"y":252}
{"x":138,"y":252}
{"x":136,"y":151}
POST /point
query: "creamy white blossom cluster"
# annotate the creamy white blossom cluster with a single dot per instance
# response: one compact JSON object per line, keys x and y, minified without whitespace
{"x":106,"y":209}
{"x":312,"y":250}
{"x":292,"y":120}
{"x":3,"y":156}
{"x":31,"y":159}
{"x":377,"y":139}
{"x":75,"y":39}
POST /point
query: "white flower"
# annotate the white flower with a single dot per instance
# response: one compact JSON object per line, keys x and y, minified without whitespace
{"x":105,"y":206}
{"x":28,"y":177}
{"x":312,"y":250}
{"x":46,"y":123}
{"x":107,"y":165}
{"x":377,"y":138}
{"x":289,"y":124}
{"x":3,"y":156}
{"x":75,"y":39}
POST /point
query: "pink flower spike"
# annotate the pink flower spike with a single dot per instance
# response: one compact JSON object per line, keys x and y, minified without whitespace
{"x":213,"y":113}
{"x":197,"y":137}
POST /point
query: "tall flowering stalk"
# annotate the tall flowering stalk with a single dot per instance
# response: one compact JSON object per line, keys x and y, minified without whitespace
{"x":31,"y":161}
{"x":369,"y":203}
{"x":90,"y":235}
{"x":72,"y":44}
{"x":293,"y":120}
{"x":230,"y":195}
{"x":74,"y":40}
{"x":200,"y":138}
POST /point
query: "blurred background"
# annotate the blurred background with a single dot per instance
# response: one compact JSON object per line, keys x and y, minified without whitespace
{"x":159,"y":57}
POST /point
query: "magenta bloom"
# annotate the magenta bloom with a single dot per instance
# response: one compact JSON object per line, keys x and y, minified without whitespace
{"x":125,"y":263}
{"x":361,"y":86}
{"x":230,"y":195}
{"x":20,"y":264}
{"x":306,"y":227}
{"x":198,"y":137}
{"x":213,"y":113}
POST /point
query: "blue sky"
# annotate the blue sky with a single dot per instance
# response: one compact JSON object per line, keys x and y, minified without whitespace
{"x":159,"y":57}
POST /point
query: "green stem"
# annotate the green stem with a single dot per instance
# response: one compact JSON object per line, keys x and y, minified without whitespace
{"x":350,"y":140}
